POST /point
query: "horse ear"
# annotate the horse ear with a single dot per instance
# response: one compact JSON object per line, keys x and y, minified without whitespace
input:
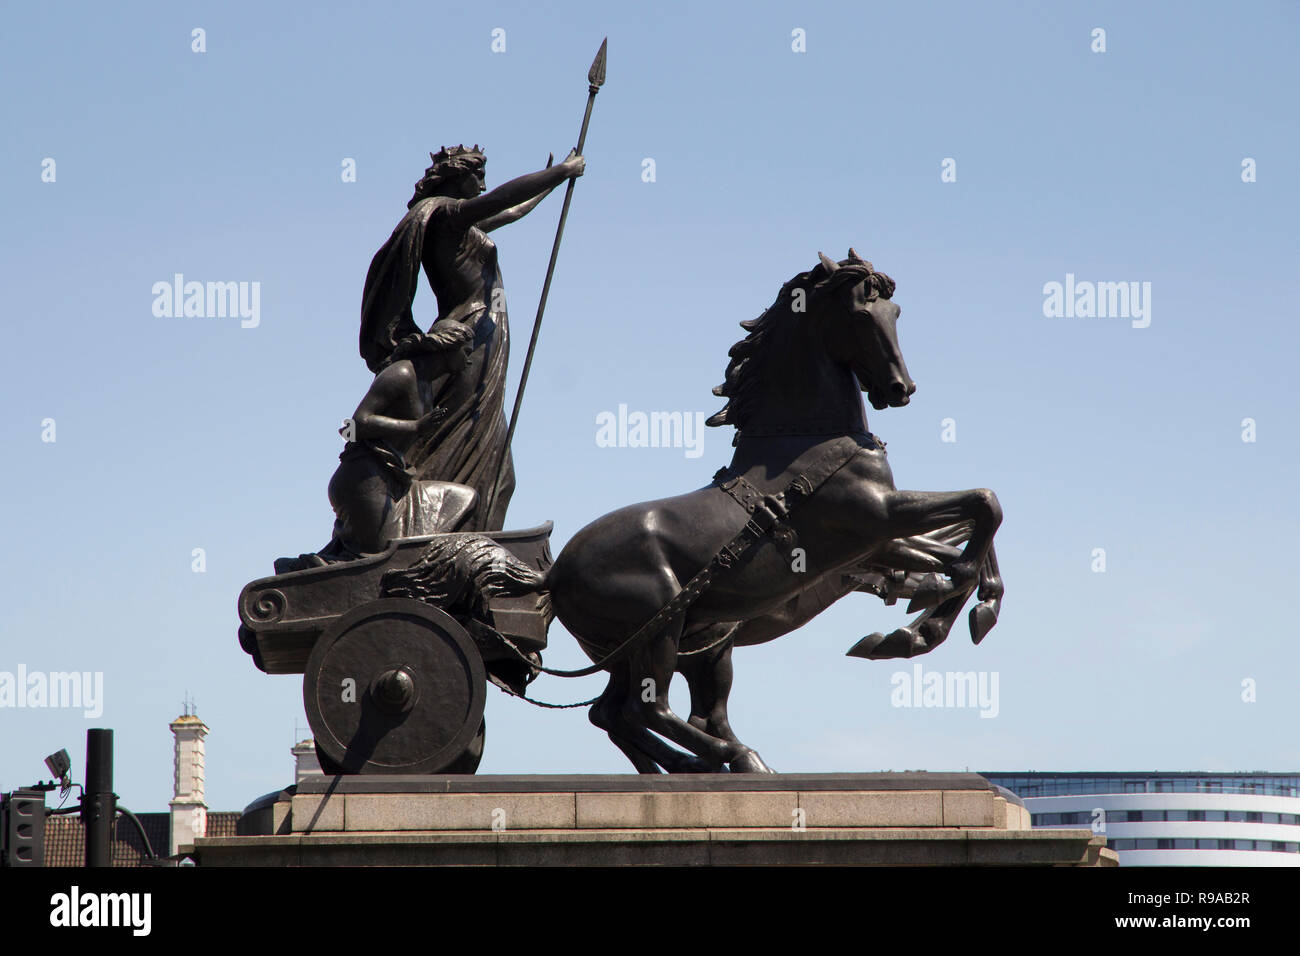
{"x":853,"y":254}
{"x":829,"y":265}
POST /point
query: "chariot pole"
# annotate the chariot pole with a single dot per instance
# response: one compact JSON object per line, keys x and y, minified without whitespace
{"x":595,"y":80}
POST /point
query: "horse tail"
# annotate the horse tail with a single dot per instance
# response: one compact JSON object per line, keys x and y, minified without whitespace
{"x":463,"y":572}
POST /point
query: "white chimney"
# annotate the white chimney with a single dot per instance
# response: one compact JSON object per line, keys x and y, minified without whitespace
{"x":305,"y":761}
{"x":189,"y":812}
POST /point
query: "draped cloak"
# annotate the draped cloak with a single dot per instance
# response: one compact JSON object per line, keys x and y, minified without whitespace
{"x":468,"y":446}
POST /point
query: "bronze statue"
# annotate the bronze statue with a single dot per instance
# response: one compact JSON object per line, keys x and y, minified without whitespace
{"x":427,"y":446}
{"x":421,"y":598}
{"x":375,"y":495}
{"x":445,"y":234}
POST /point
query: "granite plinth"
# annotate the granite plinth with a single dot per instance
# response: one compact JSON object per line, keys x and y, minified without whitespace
{"x":620,"y":820}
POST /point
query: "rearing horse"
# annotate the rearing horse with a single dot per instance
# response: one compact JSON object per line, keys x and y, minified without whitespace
{"x":815,"y":492}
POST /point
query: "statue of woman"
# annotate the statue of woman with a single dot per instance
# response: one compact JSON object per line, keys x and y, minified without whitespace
{"x":445,"y":233}
{"x":427,"y":442}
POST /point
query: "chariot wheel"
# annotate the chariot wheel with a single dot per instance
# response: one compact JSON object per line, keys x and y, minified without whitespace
{"x":396,"y":686}
{"x":466,"y":763}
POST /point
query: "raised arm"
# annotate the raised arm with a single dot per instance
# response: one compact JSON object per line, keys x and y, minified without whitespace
{"x":522,"y":189}
{"x":515,"y":213}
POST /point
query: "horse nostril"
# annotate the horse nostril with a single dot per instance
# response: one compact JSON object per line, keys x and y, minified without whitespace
{"x":898,"y":388}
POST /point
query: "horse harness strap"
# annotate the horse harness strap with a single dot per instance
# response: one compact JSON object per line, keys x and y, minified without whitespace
{"x":767,"y":518}
{"x":766,"y":513}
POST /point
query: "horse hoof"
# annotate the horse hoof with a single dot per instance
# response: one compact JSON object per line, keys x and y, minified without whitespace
{"x":749,"y":762}
{"x":928,"y":594}
{"x":912,"y":640}
{"x":866,"y":646}
{"x":903,"y":642}
{"x":690,"y":764}
{"x":982,"y":618}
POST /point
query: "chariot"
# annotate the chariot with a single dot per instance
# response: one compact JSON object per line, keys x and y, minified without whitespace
{"x":393,"y":684}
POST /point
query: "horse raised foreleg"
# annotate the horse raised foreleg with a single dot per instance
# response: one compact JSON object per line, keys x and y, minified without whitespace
{"x":940,"y":546}
{"x":931,"y":628}
{"x":914,"y":513}
{"x":985,"y":614}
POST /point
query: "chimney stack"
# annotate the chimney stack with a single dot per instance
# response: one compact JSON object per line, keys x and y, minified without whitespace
{"x":189,"y":812}
{"x":305,"y":761}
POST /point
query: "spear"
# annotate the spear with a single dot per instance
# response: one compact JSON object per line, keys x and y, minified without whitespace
{"x":595,"y":80}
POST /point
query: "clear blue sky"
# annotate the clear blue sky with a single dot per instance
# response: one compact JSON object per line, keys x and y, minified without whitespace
{"x":175,"y":434}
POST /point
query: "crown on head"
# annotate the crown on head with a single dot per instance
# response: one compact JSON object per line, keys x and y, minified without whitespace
{"x":457,"y":154}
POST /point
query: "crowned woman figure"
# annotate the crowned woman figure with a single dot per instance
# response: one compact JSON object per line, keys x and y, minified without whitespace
{"x":444,"y":232}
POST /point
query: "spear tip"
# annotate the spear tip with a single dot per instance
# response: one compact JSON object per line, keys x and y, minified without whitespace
{"x":596,"y":75}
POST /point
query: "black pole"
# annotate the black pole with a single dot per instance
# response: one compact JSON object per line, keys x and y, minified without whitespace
{"x":595,"y":80}
{"x":98,"y":802}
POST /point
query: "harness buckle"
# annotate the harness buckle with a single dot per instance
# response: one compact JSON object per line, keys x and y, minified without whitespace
{"x":801,"y":487}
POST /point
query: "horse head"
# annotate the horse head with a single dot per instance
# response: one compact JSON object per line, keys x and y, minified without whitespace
{"x":863,"y":332}
{"x":830,"y":336}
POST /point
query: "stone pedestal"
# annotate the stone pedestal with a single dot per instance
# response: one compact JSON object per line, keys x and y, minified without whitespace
{"x":892,"y":819}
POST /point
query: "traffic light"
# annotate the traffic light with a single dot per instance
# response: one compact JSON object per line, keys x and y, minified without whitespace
{"x":22,"y":823}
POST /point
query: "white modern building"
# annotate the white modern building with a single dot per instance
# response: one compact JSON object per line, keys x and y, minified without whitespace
{"x":1172,"y":819}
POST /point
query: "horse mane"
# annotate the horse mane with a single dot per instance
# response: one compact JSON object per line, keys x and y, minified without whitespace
{"x":743,"y":379}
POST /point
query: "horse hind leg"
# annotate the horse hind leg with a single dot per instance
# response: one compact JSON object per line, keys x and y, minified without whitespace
{"x":603,"y":715}
{"x":709,"y":675}
{"x":652,"y":666}
{"x":646,"y":751}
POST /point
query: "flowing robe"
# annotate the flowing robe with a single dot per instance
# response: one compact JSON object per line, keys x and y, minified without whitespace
{"x":468,"y":446}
